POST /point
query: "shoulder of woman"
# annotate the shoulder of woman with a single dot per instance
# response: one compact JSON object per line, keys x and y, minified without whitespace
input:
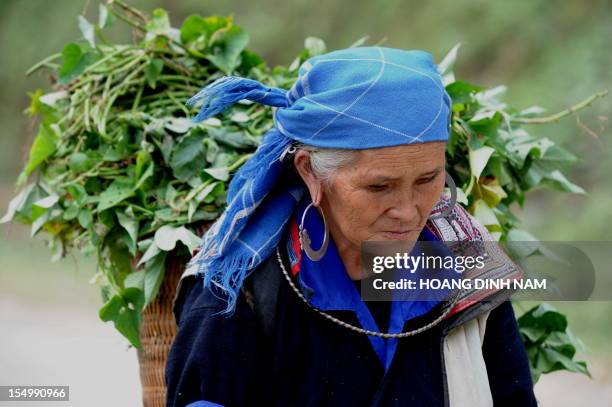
{"x":196,"y":301}
{"x":456,"y":223}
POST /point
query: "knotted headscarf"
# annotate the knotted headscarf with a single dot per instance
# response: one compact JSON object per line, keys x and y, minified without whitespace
{"x":355,"y":98}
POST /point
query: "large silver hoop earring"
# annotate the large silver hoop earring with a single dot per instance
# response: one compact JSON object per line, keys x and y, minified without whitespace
{"x":314,"y":255}
{"x":453,"y":200}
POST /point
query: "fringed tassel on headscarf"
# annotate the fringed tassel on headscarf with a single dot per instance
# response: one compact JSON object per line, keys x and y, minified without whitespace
{"x":250,"y":228}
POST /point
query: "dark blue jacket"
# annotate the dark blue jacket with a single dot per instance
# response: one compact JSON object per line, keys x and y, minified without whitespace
{"x":311,"y":361}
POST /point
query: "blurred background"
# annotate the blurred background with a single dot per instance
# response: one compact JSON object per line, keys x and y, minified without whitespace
{"x":550,"y":54}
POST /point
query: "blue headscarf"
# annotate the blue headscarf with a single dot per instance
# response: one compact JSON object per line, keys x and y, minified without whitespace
{"x":355,"y":98}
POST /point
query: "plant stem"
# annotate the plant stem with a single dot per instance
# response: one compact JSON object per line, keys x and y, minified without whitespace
{"x":142,"y":28}
{"x":140,"y":208}
{"x":179,"y":78}
{"x":115,"y":94}
{"x":86,"y":108}
{"x":177,"y":67}
{"x":42,"y":63}
{"x":239,"y":162}
{"x":138,"y":97}
{"x":177,"y":103}
{"x":90,"y":172}
{"x":124,"y":18}
{"x":105,"y":58}
{"x":129,"y":9}
{"x":556,"y":117}
{"x":155,"y":97}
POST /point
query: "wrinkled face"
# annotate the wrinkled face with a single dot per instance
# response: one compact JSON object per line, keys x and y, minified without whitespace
{"x":386,"y":194}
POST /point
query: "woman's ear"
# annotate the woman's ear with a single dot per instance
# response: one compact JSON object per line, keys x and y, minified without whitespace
{"x":301,"y":161}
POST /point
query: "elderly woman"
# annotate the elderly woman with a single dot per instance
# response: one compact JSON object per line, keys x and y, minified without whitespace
{"x":269,"y":310}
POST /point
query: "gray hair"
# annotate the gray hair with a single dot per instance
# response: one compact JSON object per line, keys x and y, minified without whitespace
{"x":324,"y":162}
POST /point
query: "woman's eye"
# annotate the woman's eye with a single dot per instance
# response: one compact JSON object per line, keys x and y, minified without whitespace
{"x":377,"y":187}
{"x":427,"y":180}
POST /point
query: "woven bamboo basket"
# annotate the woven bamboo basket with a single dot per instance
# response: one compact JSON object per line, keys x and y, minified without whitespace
{"x":157,"y":331}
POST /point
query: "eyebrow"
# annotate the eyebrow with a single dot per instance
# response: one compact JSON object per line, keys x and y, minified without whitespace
{"x":381,"y":177}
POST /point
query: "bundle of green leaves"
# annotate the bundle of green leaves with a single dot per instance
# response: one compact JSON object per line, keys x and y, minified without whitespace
{"x":549,"y":342}
{"x":118,"y":169}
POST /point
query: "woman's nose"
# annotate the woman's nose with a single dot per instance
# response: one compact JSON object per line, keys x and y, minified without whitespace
{"x":404,"y":209}
{"x":405,"y":213}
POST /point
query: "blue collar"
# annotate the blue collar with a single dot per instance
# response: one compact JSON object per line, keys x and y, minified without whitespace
{"x":328,"y":287}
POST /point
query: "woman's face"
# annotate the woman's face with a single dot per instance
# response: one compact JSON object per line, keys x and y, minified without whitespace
{"x":386,"y":194}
